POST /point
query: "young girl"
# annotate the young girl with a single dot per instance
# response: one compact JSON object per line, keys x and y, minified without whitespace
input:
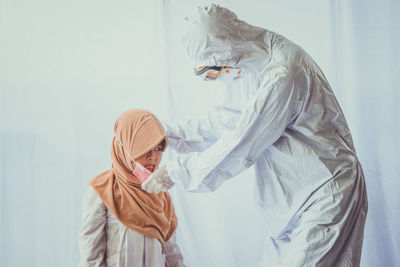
{"x":123,"y":225}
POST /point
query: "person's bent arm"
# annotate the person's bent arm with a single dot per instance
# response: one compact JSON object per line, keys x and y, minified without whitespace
{"x":92,"y":237}
{"x":262,"y":122}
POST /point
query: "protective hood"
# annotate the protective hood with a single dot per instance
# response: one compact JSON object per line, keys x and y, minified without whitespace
{"x":216,"y":37}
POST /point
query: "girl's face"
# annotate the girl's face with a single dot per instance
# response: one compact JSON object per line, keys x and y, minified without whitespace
{"x":151,"y":159}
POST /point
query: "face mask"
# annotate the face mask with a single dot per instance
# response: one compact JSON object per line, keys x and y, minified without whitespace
{"x":140,"y":171}
{"x":229,"y":75}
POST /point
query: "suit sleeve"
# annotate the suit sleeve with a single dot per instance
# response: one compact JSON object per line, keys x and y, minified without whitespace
{"x":198,"y":134}
{"x":262,"y":122}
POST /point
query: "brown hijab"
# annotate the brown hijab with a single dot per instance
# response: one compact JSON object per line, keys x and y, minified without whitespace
{"x":149,"y":214}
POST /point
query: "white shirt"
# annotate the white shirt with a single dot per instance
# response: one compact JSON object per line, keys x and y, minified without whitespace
{"x":105,"y":242}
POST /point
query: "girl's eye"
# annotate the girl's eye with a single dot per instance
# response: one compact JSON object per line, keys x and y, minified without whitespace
{"x":158,"y":148}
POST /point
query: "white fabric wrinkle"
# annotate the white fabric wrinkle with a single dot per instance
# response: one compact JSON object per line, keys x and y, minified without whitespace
{"x":91,"y":237}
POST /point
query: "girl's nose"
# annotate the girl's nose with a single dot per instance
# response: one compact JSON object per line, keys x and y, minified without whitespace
{"x":151,"y":155}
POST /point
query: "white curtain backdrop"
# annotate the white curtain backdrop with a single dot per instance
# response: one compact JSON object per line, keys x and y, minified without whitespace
{"x":69,"y":68}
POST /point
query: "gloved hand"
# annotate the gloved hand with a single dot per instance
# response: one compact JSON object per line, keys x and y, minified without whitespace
{"x":158,"y":181}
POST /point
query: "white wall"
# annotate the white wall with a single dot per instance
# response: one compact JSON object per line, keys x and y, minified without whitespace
{"x":68,"y":69}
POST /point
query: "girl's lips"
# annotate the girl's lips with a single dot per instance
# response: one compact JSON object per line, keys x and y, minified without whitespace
{"x":150,"y":167}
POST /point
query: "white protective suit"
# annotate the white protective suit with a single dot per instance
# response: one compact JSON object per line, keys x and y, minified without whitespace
{"x":106,"y":242}
{"x":283,"y":117}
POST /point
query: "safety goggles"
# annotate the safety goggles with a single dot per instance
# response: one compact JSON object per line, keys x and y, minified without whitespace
{"x":213,"y":72}
{"x":209,"y":72}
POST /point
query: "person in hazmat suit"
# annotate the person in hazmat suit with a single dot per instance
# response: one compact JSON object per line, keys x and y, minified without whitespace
{"x":281,"y":116}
